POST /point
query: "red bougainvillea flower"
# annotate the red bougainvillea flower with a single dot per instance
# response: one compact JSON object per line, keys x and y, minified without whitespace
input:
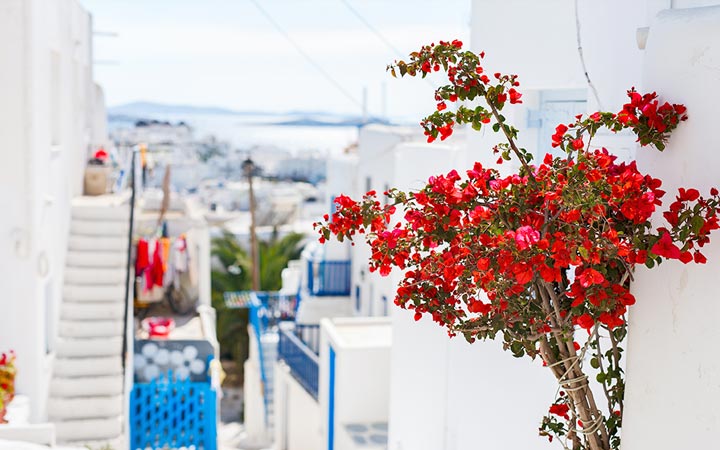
{"x":665,"y":247}
{"x":558,"y":136}
{"x":589,"y":277}
{"x":526,"y":236}
{"x":585,"y":321}
{"x":514,"y":96}
{"x":560,"y":409}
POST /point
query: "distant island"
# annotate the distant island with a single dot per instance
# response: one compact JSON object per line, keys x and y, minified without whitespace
{"x":145,"y":108}
{"x":145,"y":111}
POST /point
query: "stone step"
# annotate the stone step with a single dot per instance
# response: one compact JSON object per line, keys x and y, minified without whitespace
{"x":116,"y":443}
{"x":94,"y":275}
{"x":96,"y":259}
{"x":99,"y":228}
{"x":83,"y":430}
{"x":94,"y":293}
{"x":92,"y":311}
{"x":88,"y":386}
{"x":63,"y":408}
{"x":78,"y":367}
{"x":84,"y":347}
{"x":118,"y":213}
{"x":90,"y":328}
{"x":98,"y":243}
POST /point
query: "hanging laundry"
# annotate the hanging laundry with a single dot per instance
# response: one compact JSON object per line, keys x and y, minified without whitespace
{"x":142,"y":260}
{"x":180,"y":255}
{"x":165,"y":244}
{"x":157,"y":268}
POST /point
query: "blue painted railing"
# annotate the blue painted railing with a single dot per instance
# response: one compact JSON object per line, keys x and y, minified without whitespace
{"x":267,"y":309}
{"x":169,"y":413}
{"x":301,"y":359}
{"x":329,"y":278}
{"x":309,"y":335}
{"x":271,"y":308}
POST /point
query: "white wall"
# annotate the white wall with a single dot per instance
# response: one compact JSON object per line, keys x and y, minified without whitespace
{"x":378,"y":165}
{"x":292,"y":402}
{"x":448,"y":394}
{"x":45,"y":134}
{"x":362,"y":374}
{"x":540,"y":44}
{"x":672,"y":367}
{"x":441,"y":389}
{"x":341,"y":179}
{"x":468,"y":393}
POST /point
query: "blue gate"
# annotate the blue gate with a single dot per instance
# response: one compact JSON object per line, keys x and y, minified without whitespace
{"x":169,"y":413}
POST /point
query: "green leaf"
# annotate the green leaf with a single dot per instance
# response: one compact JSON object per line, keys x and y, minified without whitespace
{"x":496,"y":127}
{"x":517,"y":349}
{"x":697,"y":223}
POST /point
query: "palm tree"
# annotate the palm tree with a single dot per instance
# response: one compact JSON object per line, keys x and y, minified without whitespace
{"x":232,"y":272}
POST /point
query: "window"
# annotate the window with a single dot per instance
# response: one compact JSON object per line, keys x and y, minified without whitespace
{"x":333,"y":206}
{"x":556,"y":107}
{"x":357,"y":298}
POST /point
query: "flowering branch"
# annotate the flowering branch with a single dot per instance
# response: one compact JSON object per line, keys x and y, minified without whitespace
{"x":536,"y":256}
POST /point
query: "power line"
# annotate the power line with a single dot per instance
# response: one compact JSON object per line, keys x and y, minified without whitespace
{"x":379,"y":35}
{"x":305,"y":55}
{"x":582,"y":58}
{"x":370,"y":27}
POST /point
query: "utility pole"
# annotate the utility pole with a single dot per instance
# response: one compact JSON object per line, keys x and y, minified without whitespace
{"x":249,"y":167}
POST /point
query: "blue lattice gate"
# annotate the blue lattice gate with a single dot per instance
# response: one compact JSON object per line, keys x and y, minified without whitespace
{"x":167,"y":413}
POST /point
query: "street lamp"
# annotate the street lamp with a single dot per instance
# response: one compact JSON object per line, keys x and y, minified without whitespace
{"x":248,"y":167}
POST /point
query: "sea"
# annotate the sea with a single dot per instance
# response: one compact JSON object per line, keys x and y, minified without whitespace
{"x":247,"y":131}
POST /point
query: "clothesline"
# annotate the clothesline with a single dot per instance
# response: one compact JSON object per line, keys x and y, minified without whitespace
{"x":162,"y":263}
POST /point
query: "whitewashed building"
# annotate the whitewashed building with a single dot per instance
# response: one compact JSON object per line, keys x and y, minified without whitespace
{"x":52,"y":116}
{"x":494,"y":401}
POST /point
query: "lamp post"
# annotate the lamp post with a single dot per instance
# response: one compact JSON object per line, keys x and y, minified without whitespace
{"x":248,"y":167}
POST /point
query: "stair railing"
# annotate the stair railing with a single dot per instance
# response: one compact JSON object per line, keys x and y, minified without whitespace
{"x":129,"y":269}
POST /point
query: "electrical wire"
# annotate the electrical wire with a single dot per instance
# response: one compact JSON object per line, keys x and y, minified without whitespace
{"x":378,"y":34}
{"x":370,"y":27}
{"x":582,"y":58}
{"x":305,"y":55}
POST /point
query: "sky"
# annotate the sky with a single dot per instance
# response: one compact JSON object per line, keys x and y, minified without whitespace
{"x":227,"y":53}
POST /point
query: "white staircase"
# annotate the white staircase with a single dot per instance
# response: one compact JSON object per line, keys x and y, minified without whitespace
{"x":259,"y":398}
{"x":86,"y":391}
{"x":270,"y":349}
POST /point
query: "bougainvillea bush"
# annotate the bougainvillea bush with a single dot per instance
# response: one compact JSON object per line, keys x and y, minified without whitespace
{"x":7,"y":382}
{"x":543,"y":258}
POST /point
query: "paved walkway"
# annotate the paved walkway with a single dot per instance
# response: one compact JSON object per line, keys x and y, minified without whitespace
{"x":231,"y":433}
